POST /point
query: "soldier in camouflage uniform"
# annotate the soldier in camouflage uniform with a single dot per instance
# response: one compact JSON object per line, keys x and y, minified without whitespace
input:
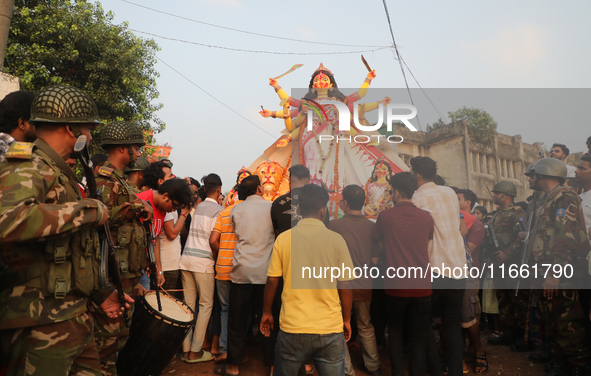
{"x":559,"y":237}
{"x":135,"y":175}
{"x":512,"y":309}
{"x":50,"y":244}
{"x":537,"y":199}
{"x":122,"y":141}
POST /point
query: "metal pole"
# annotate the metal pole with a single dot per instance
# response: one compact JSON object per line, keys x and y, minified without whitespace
{"x":6,"y":7}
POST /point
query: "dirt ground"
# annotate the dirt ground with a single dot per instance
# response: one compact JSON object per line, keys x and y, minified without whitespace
{"x":500,"y":359}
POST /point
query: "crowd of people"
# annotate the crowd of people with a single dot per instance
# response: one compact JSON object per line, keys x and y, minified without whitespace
{"x":241,"y":267}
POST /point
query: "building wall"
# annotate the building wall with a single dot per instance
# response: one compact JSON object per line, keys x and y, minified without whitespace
{"x":466,"y":162}
{"x":8,"y":84}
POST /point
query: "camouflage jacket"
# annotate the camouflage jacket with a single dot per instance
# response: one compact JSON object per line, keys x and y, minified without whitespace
{"x":127,"y":231}
{"x":40,"y":203}
{"x":504,"y":223}
{"x":559,"y":235}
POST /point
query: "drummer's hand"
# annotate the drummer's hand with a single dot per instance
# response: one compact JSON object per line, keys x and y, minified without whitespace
{"x":112,"y":307}
{"x":266,"y":324}
{"x":272,"y":82}
{"x":141,"y":290}
{"x":161,"y":280}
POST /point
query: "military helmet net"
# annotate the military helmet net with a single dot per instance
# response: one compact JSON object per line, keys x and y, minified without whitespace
{"x":505,"y":187}
{"x":551,"y":167}
{"x":63,"y":104}
{"x":122,"y":133}
{"x":140,"y":164}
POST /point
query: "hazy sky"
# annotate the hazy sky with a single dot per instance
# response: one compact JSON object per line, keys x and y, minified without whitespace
{"x":451,"y":44}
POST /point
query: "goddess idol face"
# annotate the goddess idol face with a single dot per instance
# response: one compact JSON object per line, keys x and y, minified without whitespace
{"x":381,"y":170}
{"x":321,"y":81}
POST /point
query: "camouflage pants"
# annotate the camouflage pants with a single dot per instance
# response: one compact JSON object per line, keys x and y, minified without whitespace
{"x":513,"y":309}
{"x":60,"y":349}
{"x":564,"y":318}
{"x":111,"y":335}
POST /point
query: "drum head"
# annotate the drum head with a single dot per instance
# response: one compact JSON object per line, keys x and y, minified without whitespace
{"x":171,"y":308}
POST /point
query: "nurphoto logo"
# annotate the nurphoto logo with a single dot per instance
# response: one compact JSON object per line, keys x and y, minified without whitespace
{"x":345,"y":122}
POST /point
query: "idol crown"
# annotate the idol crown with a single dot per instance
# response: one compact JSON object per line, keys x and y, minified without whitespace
{"x":321,"y":67}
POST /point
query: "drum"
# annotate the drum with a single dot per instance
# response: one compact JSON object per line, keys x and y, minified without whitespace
{"x":154,"y":336}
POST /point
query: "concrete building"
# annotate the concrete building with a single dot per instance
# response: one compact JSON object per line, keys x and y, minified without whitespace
{"x":467,"y":162}
{"x":8,"y":84}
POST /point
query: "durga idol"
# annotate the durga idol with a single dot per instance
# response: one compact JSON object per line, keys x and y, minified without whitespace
{"x":336,"y":164}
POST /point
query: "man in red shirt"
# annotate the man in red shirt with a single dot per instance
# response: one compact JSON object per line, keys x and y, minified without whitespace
{"x":405,"y":234}
{"x":171,"y":195}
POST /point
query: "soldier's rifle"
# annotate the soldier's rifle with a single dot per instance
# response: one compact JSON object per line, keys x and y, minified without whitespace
{"x":108,"y":250}
{"x":527,"y":226}
{"x":490,"y":234}
{"x":152,"y":259}
{"x":493,"y":242}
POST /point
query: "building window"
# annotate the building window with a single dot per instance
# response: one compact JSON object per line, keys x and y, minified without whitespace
{"x":406,"y":158}
{"x":482,"y":163}
{"x":509,"y":169}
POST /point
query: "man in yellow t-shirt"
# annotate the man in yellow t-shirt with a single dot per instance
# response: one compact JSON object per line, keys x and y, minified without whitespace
{"x":312,"y":323}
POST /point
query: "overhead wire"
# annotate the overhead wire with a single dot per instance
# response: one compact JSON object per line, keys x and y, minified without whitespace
{"x":399,"y":59}
{"x":419,"y":85}
{"x":250,"y":32}
{"x":219,"y":101}
{"x":258,"y":51}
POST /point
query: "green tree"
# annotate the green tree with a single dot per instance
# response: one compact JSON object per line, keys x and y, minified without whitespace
{"x":74,"y":42}
{"x":480,"y":124}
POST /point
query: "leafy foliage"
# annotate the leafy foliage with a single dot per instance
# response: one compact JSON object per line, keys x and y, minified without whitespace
{"x":74,"y":42}
{"x":480,"y":124}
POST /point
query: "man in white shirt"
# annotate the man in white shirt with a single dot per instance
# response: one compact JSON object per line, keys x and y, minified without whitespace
{"x":255,"y":238}
{"x":560,"y":151}
{"x":170,"y":247}
{"x":197,"y":266}
{"x":448,"y":248}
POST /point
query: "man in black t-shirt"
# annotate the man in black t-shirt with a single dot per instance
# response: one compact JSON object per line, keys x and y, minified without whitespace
{"x":284,"y":215}
{"x":284,"y":211}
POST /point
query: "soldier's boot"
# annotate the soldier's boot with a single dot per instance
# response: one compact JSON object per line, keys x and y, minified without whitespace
{"x":540,"y":357}
{"x":578,"y":371}
{"x":557,"y":367}
{"x":551,"y":363}
{"x":520,"y":345}
{"x":507,"y":337}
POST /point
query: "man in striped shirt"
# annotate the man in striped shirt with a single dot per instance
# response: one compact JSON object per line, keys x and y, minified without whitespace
{"x":197,"y":265}
{"x":223,"y":242}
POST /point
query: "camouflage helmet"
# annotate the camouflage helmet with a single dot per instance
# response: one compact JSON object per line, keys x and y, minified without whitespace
{"x":530,"y":171}
{"x":63,"y":104}
{"x":551,"y":167}
{"x":505,"y":187}
{"x":140,"y":163}
{"x":121,"y":133}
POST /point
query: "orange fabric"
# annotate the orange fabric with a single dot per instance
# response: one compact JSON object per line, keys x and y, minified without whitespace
{"x":228,"y":240}
{"x":468,"y":219}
